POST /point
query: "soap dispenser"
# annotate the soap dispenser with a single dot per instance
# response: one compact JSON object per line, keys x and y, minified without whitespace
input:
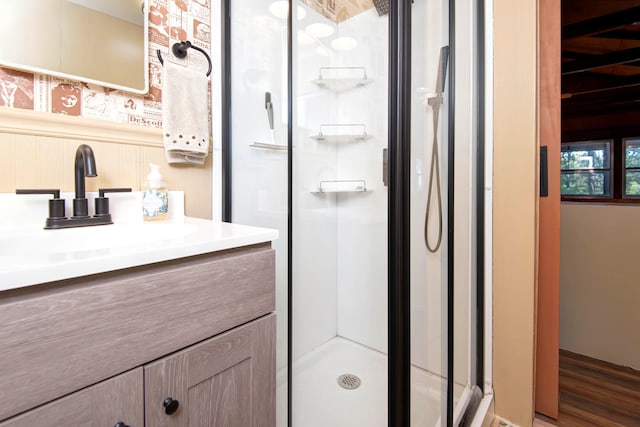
{"x":155,"y":197}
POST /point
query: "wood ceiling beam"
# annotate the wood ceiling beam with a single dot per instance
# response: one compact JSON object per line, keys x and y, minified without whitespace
{"x":619,"y":100}
{"x":579,"y":56}
{"x":619,"y":35}
{"x":602,"y":109}
{"x":610,"y":94}
{"x":599,"y":61}
{"x":603,"y":129}
{"x":599,"y":109}
{"x":583,"y":83}
{"x":601,"y":24}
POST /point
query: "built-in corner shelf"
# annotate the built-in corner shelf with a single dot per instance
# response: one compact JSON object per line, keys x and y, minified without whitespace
{"x":342,"y":186}
{"x":341,"y":79}
{"x":267,"y":146}
{"x":342,"y":133}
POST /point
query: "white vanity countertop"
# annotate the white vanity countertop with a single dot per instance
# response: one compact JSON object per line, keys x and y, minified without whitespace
{"x":49,"y":255}
{"x":30,"y":255}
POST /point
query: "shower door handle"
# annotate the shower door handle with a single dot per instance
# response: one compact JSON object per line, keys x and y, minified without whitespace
{"x":385,"y":167}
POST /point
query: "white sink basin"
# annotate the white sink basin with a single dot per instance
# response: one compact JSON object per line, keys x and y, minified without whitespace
{"x":29,"y":242}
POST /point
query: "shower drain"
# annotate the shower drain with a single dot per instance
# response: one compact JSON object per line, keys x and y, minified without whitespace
{"x":349,"y":381}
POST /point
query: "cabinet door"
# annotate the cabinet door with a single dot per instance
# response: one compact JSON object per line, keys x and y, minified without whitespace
{"x":227,"y":381}
{"x":113,"y":401}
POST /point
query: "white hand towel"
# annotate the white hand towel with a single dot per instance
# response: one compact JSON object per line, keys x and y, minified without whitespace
{"x":185,"y":114}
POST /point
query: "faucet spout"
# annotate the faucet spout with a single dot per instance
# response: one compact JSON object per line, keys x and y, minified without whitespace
{"x":85,"y":165}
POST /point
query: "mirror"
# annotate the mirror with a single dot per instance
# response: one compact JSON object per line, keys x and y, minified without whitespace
{"x":94,"y":41}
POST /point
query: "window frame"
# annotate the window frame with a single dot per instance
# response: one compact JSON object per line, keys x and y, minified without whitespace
{"x":625,"y":169}
{"x":609,"y":194}
{"x":617,"y":162}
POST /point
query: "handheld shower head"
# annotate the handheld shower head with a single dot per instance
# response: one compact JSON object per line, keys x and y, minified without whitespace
{"x":269,"y":107}
{"x":442,"y":69}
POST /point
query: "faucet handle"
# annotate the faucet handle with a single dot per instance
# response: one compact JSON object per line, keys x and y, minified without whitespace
{"x":56,"y":204}
{"x":103,"y":191}
{"x":54,"y":193}
{"x":102,"y":202}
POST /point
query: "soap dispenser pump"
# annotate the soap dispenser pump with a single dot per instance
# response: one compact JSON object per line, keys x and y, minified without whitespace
{"x":155,"y":197}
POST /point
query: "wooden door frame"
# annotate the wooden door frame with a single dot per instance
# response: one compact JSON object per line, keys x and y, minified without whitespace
{"x":548,"y":253}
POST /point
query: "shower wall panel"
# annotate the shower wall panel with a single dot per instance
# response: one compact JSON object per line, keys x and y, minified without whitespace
{"x":314,"y":215}
{"x":362,"y":217}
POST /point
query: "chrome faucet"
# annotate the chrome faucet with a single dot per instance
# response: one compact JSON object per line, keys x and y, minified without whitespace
{"x":85,"y":165}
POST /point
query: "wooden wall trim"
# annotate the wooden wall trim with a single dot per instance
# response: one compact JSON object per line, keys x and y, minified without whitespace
{"x":514,"y":207}
{"x":25,"y":122}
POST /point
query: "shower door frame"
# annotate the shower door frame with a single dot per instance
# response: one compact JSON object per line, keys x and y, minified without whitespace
{"x":399,"y":324}
{"x":399,"y":328}
{"x":399,"y":216}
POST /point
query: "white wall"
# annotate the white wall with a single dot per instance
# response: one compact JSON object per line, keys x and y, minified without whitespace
{"x":599,"y":282}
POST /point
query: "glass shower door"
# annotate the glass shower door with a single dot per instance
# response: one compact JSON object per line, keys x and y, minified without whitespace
{"x":429,"y":211}
{"x":444,"y":107}
{"x":257,"y":60}
{"x":324,"y":173}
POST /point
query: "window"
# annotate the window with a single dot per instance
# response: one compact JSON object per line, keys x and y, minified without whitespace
{"x":632,"y":168}
{"x":586,"y":169}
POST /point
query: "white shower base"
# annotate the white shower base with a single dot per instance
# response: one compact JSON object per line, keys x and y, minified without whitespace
{"x":318,"y":400}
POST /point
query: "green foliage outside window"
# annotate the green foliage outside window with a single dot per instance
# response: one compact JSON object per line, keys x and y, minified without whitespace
{"x":588,"y":184}
{"x":632,"y":180}
{"x":584,"y":159}
{"x":585,"y":169}
{"x":632,"y":160}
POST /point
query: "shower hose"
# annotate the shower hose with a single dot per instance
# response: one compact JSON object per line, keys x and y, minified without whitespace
{"x":434,"y":177}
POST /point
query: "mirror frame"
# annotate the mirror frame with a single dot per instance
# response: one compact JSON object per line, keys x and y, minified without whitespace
{"x":143,"y":91}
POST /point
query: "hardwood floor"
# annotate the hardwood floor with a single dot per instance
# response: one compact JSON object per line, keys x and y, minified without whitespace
{"x":594,"y":393}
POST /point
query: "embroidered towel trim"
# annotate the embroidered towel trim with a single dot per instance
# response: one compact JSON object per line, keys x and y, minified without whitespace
{"x":185,"y":114}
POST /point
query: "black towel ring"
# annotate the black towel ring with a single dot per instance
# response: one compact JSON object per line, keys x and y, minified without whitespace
{"x":180,"y":50}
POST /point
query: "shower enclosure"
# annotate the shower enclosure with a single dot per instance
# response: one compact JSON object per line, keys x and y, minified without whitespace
{"x":354,"y":129}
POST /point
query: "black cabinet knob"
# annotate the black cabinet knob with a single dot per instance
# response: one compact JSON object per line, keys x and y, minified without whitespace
{"x":120,"y":424}
{"x":170,"y":406}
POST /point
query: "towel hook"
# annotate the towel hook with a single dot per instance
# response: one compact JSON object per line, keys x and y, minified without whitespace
{"x":179,"y":49}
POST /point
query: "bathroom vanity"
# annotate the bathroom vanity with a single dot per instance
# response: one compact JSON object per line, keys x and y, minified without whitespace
{"x":174,"y":331}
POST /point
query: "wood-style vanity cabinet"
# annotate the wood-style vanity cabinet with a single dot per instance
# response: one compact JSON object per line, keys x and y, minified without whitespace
{"x":113,"y":401}
{"x":184,"y":342}
{"x":224,"y":381}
